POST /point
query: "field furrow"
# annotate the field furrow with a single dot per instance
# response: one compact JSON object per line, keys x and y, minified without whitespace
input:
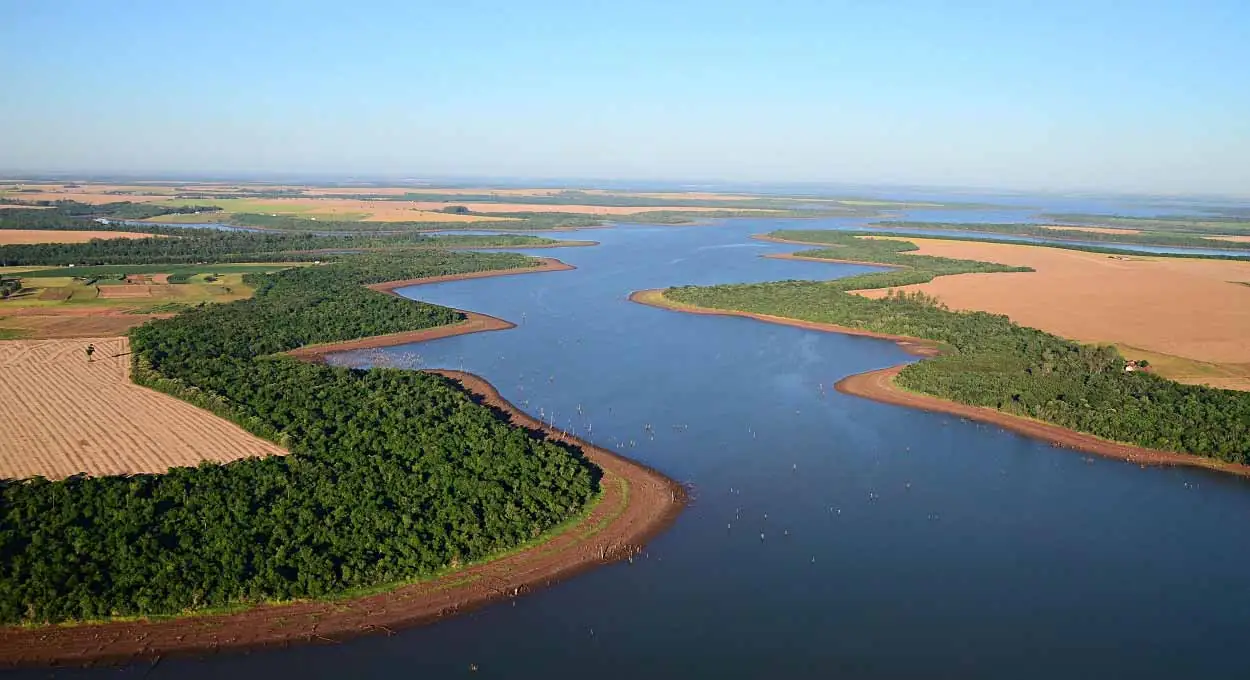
{"x":64,"y":415}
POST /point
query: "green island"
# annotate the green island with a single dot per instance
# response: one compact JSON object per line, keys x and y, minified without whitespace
{"x":986,"y":360}
{"x":392,"y":475}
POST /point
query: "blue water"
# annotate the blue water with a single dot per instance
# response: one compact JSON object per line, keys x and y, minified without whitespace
{"x":829,"y":536}
{"x":215,"y":226}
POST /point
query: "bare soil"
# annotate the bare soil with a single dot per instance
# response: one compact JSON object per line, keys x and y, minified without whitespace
{"x":10,"y":237}
{"x":1192,"y":308}
{"x":65,"y":415}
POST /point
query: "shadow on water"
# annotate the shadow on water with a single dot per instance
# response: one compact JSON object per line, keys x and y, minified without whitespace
{"x":829,"y":536}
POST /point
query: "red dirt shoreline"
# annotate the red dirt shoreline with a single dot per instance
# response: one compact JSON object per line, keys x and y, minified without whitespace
{"x":637,"y":503}
{"x":879,"y":386}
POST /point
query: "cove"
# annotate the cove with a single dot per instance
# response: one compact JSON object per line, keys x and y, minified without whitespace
{"x":828,"y":536}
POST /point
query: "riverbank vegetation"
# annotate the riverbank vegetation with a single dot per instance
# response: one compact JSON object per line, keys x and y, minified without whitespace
{"x":990,"y":361}
{"x":392,"y":475}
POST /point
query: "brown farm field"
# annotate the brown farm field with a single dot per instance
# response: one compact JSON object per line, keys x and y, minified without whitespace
{"x":1189,"y":317}
{"x":10,"y":237}
{"x":64,"y":415}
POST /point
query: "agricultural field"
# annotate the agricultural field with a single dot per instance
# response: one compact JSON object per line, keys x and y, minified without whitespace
{"x":10,"y":237}
{"x":67,"y":415}
{"x":74,"y":302}
{"x":1189,"y":317}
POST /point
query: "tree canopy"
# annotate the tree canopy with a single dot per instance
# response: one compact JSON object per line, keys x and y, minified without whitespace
{"x":392,"y":475}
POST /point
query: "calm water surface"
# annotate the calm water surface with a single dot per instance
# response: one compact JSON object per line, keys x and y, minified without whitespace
{"x":829,"y":536}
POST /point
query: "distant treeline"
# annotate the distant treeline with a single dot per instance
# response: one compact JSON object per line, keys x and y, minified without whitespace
{"x":990,"y":361}
{"x":1231,"y":221}
{"x":182,"y":246}
{"x":1039,"y":231}
{"x":123,"y":210}
{"x":523,"y":222}
{"x":574,"y":197}
{"x":393,"y":475}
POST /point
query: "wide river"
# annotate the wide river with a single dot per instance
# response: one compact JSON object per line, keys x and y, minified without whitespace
{"x":828,"y":536}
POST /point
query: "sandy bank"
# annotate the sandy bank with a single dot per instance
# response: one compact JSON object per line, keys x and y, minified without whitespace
{"x":879,"y":385}
{"x":636,"y":504}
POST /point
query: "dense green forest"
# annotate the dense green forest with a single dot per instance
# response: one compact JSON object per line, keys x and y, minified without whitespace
{"x":176,"y":246}
{"x":990,"y":361}
{"x":1155,"y":238}
{"x":392,"y":475}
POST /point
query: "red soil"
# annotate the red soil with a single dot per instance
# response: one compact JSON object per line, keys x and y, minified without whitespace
{"x":637,"y":504}
{"x":879,"y":385}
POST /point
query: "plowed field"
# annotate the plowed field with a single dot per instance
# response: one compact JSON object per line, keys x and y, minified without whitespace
{"x":63,"y":415}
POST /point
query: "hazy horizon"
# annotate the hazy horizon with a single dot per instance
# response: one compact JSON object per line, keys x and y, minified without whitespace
{"x":1064,"y":97}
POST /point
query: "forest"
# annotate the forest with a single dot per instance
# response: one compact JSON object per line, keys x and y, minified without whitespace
{"x":173,"y":245}
{"x":1128,"y":236}
{"x":989,"y":361}
{"x":122,"y":210}
{"x":392,"y":475}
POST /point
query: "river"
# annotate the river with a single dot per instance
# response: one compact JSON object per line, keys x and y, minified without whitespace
{"x":828,"y":536}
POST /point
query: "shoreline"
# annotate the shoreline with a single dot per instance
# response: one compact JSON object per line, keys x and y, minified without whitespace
{"x":878,"y":385}
{"x":654,"y":297}
{"x":557,"y":244}
{"x":636,"y":503}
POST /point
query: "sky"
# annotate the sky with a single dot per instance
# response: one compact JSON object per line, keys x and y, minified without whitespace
{"x":1135,"y":96}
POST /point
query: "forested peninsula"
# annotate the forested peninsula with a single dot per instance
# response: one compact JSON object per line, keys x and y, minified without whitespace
{"x":986,"y":360}
{"x":392,"y":475}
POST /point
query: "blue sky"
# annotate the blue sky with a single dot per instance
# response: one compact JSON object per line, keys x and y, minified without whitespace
{"x":1097,"y":95}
